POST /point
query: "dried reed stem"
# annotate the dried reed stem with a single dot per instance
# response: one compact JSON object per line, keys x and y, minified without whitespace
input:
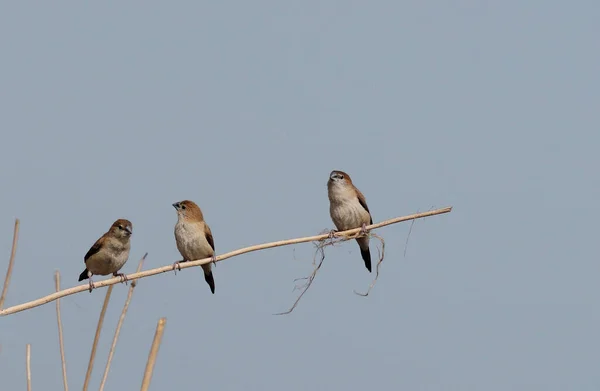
{"x":11,"y":262}
{"x":185,"y":265}
{"x":88,"y":374}
{"x":28,"y":365}
{"x":160,"y":328}
{"x":118,"y":330}
{"x":60,"y":333}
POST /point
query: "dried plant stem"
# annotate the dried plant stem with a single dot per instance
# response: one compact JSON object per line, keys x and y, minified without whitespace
{"x":121,"y":320}
{"x":60,"y":333}
{"x":160,"y":328}
{"x":309,"y":280}
{"x":28,"y":365}
{"x":195,"y":263}
{"x":11,"y":262}
{"x":88,"y":374}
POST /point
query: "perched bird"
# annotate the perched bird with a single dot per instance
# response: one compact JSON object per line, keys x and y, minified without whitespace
{"x":109,"y":253}
{"x":348,"y":209}
{"x":193,"y":237}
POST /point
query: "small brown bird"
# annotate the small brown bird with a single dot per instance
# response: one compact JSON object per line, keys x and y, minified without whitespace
{"x":348,"y":209}
{"x":109,"y":253}
{"x":193,"y":237}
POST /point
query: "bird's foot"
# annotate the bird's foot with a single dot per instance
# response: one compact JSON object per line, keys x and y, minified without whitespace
{"x":332,"y":234}
{"x":123,"y":277}
{"x":92,"y":286}
{"x":214,"y":260}
{"x":363,"y":230}
{"x":177,"y":266}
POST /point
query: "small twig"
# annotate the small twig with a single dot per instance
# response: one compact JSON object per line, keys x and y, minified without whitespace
{"x":309,"y":280}
{"x":381,"y":256}
{"x":88,"y":374}
{"x":198,"y":262}
{"x":28,"y":365}
{"x":160,"y":328}
{"x":121,"y":320}
{"x":408,"y":237}
{"x":11,"y":262}
{"x":60,"y":333}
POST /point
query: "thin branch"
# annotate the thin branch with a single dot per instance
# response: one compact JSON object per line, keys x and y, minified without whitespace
{"x":88,"y":374}
{"x":160,"y":328}
{"x":11,"y":262}
{"x":28,"y":365}
{"x":195,"y":263}
{"x":60,"y":333}
{"x":121,"y":320}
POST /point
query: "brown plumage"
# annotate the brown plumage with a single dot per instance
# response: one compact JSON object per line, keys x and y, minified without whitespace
{"x":110,"y":253}
{"x":348,"y":209}
{"x":194,"y":238}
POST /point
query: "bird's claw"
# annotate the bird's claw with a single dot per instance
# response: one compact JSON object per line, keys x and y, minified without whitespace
{"x":123,"y":277}
{"x":176,"y":266}
{"x":92,"y":286}
{"x":332,"y":234}
{"x":363,"y":229}
{"x":214,"y":260}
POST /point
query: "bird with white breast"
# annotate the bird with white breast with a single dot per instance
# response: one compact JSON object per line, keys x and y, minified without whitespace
{"x":348,"y":209}
{"x":194,"y":238}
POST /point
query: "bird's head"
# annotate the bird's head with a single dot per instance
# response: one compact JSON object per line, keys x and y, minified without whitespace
{"x":188,"y":210}
{"x":121,"y":228}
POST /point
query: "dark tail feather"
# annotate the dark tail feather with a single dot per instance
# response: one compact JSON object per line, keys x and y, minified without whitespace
{"x":366,"y":256}
{"x":83,"y":275}
{"x":208,"y":276}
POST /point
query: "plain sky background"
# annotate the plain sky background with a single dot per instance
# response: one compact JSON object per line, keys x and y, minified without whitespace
{"x":117,"y":110}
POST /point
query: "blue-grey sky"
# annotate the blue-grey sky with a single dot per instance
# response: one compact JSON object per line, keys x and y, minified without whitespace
{"x":118,"y":110}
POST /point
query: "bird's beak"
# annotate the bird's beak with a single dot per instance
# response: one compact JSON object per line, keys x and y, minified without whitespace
{"x":127,"y":230}
{"x":176,"y":205}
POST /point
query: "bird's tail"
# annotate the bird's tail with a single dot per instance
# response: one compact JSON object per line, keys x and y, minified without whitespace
{"x":208,"y":277}
{"x":366,"y":256}
{"x":365,"y":253}
{"x":84,"y":275}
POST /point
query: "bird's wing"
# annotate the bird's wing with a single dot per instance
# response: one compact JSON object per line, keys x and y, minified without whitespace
{"x":95,"y":248}
{"x":363,"y":203}
{"x":209,"y":237}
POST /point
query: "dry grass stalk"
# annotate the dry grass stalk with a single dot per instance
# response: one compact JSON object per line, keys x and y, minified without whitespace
{"x":121,"y":320}
{"x":309,"y":280}
{"x":28,"y":365}
{"x":60,"y":333}
{"x":88,"y":374}
{"x":11,"y":262}
{"x":160,"y":328}
{"x":195,"y":263}
{"x":331,"y":240}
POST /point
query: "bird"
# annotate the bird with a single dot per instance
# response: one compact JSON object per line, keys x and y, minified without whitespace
{"x":348,"y":209}
{"x":109,"y":253}
{"x":194,"y":238}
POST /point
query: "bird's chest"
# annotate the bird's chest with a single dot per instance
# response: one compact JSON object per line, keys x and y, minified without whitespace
{"x":109,"y":260}
{"x":191,"y":241}
{"x":348,"y":214}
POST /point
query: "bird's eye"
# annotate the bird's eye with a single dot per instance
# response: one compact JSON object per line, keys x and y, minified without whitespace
{"x":182,"y":206}
{"x":120,"y":227}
